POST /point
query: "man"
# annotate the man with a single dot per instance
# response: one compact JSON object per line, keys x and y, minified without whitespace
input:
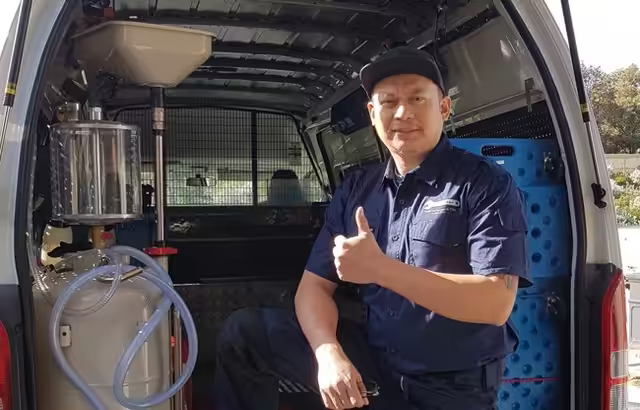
{"x":435,"y":239}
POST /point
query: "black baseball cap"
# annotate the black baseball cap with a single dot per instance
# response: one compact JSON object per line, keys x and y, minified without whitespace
{"x":400,"y":60}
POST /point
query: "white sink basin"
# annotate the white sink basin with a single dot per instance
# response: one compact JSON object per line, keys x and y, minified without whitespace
{"x":146,"y":54}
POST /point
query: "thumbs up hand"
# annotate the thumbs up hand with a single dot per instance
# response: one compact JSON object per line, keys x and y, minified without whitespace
{"x":357,"y":259}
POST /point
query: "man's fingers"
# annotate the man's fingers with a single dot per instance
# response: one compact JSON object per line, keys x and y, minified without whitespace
{"x":355,"y":395}
{"x":339,"y":240}
{"x":342,"y":396}
{"x":363,"y":392}
{"x":341,"y":245}
{"x":361,"y":222}
{"x":327,"y":401}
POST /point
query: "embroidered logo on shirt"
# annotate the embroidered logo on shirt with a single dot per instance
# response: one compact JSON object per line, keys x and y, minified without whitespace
{"x":442,"y":205}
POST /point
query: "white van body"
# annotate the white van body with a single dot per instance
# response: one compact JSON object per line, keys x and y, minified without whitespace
{"x":600,"y":246}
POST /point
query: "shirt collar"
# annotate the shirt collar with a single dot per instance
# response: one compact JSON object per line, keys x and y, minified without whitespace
{"x":430,"y":168}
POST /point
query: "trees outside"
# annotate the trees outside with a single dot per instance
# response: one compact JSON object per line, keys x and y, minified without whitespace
{"x":626,"y":191}
{"x":615,"y":98}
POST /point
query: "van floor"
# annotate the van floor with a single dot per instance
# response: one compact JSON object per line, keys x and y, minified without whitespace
{"x":245,"y":294}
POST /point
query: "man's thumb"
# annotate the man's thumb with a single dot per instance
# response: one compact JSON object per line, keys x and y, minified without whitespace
{"x":361,"y":222}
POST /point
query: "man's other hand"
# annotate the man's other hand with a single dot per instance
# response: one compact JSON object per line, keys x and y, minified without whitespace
{"x":341,"y":385}
{"x":358,"y":259}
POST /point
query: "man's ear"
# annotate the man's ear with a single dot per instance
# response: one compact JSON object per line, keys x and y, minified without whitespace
{"x":445,"y":107}
{"x":372,"y":114}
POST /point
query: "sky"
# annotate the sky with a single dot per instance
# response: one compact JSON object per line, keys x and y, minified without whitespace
{"x":8,"y":9}
{"x":606,"y":34}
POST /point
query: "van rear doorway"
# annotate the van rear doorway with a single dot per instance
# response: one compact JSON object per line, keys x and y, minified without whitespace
{"x":258,"y":136}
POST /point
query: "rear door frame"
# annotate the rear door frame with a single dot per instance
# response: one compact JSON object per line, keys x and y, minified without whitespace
{"x":47,"y":21}
{"x":596,"y":253}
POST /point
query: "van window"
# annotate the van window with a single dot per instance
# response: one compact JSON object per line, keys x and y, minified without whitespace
{"x":347,"y":152}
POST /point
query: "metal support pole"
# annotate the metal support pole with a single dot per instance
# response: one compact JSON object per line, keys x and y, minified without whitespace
{"x":157,"y":99}
{"x":95,"y":114}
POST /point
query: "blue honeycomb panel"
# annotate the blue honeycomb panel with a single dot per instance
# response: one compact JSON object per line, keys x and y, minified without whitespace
{"x":540,"y":318}
{"x":548,"y":237}
{"x":533,"y":374}
{"x":526,"y":159}
{"x":535,"y":394}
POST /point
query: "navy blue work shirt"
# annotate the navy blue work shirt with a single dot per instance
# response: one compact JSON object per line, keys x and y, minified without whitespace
{"x":456,"y":213}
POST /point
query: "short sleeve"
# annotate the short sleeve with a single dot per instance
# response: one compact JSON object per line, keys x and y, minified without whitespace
{"x":497,"y":227}
{"x":320,"y":261}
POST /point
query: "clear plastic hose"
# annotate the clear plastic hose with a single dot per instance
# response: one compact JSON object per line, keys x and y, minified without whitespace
{"x":117,"y":276}
{"x":50,"y":299}
{"x":155,"y":274}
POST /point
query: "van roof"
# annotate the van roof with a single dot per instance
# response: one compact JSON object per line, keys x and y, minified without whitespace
{"x":298,"y":56}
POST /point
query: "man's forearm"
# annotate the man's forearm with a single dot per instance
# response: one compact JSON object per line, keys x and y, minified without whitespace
{"x":466,"y":298}
{"x":318,"y":317}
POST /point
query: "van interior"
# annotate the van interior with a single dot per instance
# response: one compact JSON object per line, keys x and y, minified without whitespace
{"x":259,"y":136}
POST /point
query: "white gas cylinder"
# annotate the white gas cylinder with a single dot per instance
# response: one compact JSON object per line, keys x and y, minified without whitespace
{"x":93,"y":343}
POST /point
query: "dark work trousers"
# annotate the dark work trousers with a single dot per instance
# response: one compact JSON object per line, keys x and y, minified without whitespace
{"x":259,"y":347}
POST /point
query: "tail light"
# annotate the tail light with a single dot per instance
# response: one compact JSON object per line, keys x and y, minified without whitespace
{"x":614,"y":345}
{"x":5,"y":370}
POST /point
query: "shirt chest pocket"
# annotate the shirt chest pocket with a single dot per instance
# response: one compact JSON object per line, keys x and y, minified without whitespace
{"x":439,"y":243}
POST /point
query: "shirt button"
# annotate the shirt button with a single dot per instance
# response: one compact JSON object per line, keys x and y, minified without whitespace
{"x":395,"y":238}
{"x":392,"y":313}
{"x":393,"y":350}
{"x":401,"y":202}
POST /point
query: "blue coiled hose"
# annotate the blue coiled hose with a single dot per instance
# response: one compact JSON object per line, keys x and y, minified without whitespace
{"x":156,"y":275}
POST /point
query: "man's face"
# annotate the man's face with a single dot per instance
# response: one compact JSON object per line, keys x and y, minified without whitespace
{"x":408,"y":112}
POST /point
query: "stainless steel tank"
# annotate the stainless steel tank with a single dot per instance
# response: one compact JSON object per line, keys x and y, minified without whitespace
{"x":95,"y":172}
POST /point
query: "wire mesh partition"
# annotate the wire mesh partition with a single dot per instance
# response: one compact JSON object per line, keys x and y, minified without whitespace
{"x":142,"y":118}
{"x":285,"y":173}
{"x":229,"y":157}
{"x":208,"y":157}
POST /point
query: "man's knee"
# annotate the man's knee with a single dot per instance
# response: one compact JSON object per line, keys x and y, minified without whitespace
{"x":255,"y":327}
{"x":243,"y":327}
